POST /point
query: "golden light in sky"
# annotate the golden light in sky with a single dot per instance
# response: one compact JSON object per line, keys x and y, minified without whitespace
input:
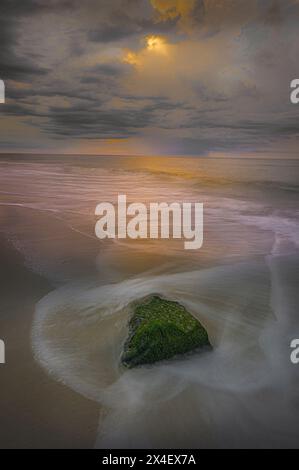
{"x":156,"y":43}
{"x":171,"y":9}
{"x":153,"y":43}
{"x":131,"y":58}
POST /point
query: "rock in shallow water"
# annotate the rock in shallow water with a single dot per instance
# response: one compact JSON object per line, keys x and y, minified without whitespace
{"x":161,"y":329}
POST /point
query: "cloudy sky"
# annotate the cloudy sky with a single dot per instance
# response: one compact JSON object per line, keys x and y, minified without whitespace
{"x":173,"y":77}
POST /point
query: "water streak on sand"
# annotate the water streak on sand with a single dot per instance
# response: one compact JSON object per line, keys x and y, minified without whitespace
{"x":242,"y":286}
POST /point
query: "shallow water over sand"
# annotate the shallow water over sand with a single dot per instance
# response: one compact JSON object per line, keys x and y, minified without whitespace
{"x":241,"y":285}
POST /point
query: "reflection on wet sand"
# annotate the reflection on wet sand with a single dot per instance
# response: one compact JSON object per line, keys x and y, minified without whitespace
{"x":240,"y":285}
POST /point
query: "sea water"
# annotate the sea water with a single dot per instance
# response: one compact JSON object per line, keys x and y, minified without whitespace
{"x":242,"y":286}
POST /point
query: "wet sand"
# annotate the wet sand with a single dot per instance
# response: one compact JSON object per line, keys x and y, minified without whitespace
{"x":36,"y":411}
{"x":241,"y":285}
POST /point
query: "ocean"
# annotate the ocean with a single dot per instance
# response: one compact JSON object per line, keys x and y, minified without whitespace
{"x":241,"y":285}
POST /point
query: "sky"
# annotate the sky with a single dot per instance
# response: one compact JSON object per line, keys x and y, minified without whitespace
{"x":149,"y":77}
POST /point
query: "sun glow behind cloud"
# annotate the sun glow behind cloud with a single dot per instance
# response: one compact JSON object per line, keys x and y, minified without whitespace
{"x":156,"y":44}
{"x":153,"y":45}
{"x":177,"y":75}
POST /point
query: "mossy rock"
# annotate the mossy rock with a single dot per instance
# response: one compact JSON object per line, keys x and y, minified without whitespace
{"x":161,"y":329}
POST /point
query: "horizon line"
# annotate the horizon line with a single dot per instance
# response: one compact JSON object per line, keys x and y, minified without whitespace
{"x":206,"y":156}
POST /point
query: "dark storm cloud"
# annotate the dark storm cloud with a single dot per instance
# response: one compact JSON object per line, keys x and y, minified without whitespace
{"x":12,"y":65}
{"x":23,"y":95}
{"x":75,"y":87}
{"x":91,"y":121}
{"x":21,"y":109}
{"x":123,"y":28}
{"x":16,"y":8}
{"x":86,"y":116}
{"x":112,"y":70}
{"x":79,"y":122}
{"x":124,"y":19}
{"x":110,"y":33}
{"x":17,"y":68}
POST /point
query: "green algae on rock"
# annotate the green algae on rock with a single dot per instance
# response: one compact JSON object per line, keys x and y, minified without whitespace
{"x":161,"y":329}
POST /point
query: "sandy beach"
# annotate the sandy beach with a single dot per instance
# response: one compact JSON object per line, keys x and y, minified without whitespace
{"x":66,"y":297}
{"x":36,"y":411}
{"x":149,"y":225}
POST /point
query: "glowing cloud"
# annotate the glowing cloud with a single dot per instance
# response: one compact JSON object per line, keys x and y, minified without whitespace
{"x":172,"y":9}
{"x":156,"y":44}
{"x":131,"y":58}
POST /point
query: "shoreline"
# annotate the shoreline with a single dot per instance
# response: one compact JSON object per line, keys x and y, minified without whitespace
{"x":36,"y":411}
